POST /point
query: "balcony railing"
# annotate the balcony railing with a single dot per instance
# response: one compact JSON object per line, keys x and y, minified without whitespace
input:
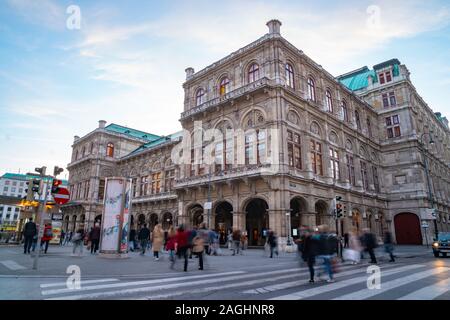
{"x":231,"y":95}
{"x":155,"y":197}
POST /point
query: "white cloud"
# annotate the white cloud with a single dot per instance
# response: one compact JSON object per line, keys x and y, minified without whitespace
{"x":43,"y":12}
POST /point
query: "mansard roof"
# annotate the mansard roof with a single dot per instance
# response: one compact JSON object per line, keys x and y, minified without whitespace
{"x":161,"y":140}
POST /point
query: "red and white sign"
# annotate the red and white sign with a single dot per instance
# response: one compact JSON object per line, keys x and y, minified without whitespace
{"x":62,"y":196}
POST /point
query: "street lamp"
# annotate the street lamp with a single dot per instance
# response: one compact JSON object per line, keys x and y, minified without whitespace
{"x":430,"y":191}
{"x":288,"y":216}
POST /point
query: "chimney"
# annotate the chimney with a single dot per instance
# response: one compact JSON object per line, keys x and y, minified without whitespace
{"x":101,"y":124}
{"x":274,"y":26}
{"x":75,"y":138}
{"x":189,"y":73}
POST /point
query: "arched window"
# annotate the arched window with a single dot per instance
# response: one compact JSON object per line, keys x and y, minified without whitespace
{"x":83,"y":152}
{"x":224,"y":86}
{"x":311,"y":89}
{"x":329,"y":101}
{"x":199,"y":97}
{"x":289,"y":75}
{"x":253,"y":72}
{"x":358,"y":121}
{"x":369,"y":127}
{"x":344,"y":110}
{"x":110,"y":150}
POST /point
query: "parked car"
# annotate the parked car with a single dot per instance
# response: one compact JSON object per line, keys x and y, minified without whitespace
{"x":441,"y":244}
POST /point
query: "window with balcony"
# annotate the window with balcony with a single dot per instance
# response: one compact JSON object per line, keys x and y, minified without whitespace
{"x":334,"y":163}
{"x":316,"y":157}
{"x":329,"y":101}
{"x":110,"y":150}
{"x":289,"y":75}
{"x":393,"y":127}
{"x":294,"y":150}
{"x":351,"y":169}
{"x":199,"y":97}
{"x":253,"y":72}
{"x":311,"y":89}
{"x":224,"y":86}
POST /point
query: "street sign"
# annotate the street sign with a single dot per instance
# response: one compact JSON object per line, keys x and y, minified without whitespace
{"x":62,"y":196}
{"x":431,"y":214}
{"x":425,"y":225}
{"x":208,"y":205}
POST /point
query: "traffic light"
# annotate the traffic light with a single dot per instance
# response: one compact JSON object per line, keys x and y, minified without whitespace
{"x":339,"y":207}
{"x":55,"y":185}
{"x":57,"y":171}
{"x":29,"y":191}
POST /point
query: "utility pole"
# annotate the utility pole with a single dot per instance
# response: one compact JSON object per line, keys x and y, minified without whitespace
{"x":41,"y":214}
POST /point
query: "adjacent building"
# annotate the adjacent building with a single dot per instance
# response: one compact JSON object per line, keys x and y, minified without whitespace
{"x":269,"y":139}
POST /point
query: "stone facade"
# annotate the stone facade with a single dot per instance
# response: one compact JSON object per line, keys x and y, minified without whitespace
{"x":287,"y":138}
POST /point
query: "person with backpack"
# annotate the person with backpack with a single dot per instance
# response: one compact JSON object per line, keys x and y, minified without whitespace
{"x":370,"y":243}
{"x":48,"y":235}
{"x":327,"y":248}
{"x":143,"y":237}
{"x":29,"y":231}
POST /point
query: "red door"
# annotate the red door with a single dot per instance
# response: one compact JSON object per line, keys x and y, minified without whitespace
{"x":407,"y":229}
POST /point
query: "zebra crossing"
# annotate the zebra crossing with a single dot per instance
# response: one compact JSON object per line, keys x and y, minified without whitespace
{"x":280,"y":284}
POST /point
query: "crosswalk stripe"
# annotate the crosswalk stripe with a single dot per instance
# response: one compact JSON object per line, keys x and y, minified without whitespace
{"x":287,"y":285}
{"x":367,"y":293}
{"x":233,"y":285}
{"x":175,"y":285}
{"x":135,"y":283}
{"x":12,"y":265}
{"x":430,"y":292}
{"x":82,"y":282}
{"x":338,"y":285}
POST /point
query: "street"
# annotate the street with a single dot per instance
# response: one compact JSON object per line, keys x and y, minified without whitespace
{"x":416,"y":275}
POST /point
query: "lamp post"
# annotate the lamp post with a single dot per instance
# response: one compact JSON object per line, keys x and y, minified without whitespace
{"x":288,"y":217}
{"x":430,"y":191}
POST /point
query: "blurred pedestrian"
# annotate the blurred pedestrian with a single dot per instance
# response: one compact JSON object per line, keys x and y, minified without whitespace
{"x":191,"y":235}
{"x":327,"y":247}
{"x":272,"y":241}
{"x":236,"y":240}
{"x":203,"y":232}
{"x":48,"y":235}
{"x":29,"y":231}
{"x":132,"y":239}
{"x":346,"y":240}
{"x":181,"y":246}
{"x":77,"y":240}
{"x":243,"y":240}
{"x":370,"y":243}
{"x":354,"y":248}
{"x":198,"y":248}
{"x":143,"y":237}
{"x":388,"y":244}
{"x":170,"y":243}
{"x":94,"y":238}
{"x":230,"y":240}
{"x":157,"y":240}
{"x":309,"y":251}
{"x":61,"y":239}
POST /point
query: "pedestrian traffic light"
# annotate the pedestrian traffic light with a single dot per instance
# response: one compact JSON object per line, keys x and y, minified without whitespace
{"x":55,"y":185}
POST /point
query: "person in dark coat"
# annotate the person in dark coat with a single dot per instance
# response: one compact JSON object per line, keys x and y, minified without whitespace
{"x":272,"y":240}
{"x":182,"y":246}
{"x":388,"y":244}
{"x":346,"y":238}
{"x":370,"y":243}
{"x":94,"y":238}
{"x":29,"y":231}
{"x":143,"y":237}
{"x":309,"y":252}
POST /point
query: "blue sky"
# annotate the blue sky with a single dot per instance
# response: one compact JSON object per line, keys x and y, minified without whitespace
{"x":126,"y":62}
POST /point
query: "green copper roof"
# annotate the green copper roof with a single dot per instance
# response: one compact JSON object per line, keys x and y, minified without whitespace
{"x":357,"y":80}
{"x":25,"y":177}
{"x":132,"y":132}
{"x":157,"y":142}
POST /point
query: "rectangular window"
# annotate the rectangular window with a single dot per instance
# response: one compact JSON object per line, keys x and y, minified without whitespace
{"x":5,"y":189}
{"x":249,"y":148}
{"x":385,"y":100}
{"x":388,"y":76}
{"x":13,"y":189}
{"x":14,"y":183}
{"x":156,"y":182}
{"x":134,"y":190}
{"x":316,"y":157}
{"x":350,"y":169}
{"x":144,"y":186}
{"x":376,"y":183}
{"x":7,"y":182}
{"x":392,"y":99}
{"x":334,"y":163}
{"x":101,"y":189}
{"x":169,"y":180}
{"x":294,"y":150}
{"x":381,"y":76}
{"x":393,"y":127}
{"x":20,"y":190}
{"x":364,"y":175}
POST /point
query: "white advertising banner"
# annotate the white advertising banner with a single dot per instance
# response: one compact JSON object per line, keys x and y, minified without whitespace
{"x":112,"y":210}
{"x":126,"y":217}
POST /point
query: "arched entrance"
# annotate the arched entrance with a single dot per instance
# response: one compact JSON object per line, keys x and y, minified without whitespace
{"x":321,"y":208}
{"x":256,"y":221}
{"x":298,"y":205}
{"x":223,"y":220}
{"x":196,"y":214}
{"x":407,"y":229}
{"x":153,"y":221}
{"x":167,"y":220}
